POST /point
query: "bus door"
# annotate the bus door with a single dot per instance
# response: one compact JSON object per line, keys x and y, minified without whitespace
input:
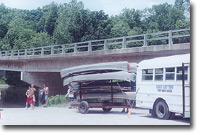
{"x":186,"y":89}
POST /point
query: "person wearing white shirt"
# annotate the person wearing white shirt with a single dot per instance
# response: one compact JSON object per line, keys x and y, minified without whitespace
{"x":70,"y":95}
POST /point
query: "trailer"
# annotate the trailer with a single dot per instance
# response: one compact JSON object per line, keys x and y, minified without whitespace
{"x":102,"y":85}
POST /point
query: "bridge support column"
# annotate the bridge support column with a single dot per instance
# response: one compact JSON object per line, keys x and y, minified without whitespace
{"x":52,"y":80}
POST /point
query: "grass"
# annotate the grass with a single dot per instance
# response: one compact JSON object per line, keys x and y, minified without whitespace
{"x":2,"y":80}
{"x":57,"y":101}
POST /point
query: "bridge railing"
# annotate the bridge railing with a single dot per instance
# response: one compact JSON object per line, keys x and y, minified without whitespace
{"x":159,"y":38}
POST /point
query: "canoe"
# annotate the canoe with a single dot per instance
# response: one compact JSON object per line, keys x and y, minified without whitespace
{"x":96,"y":68}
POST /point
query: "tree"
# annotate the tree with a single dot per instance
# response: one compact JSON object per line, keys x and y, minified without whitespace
{"x":132,"y":17}
{"x":41,"y":39}
{"x":97,"y":25}
{"x":24,"y":39}
{"x":162,"y":17}
{"x":184,"y":6}
{"x":14,"y":28}
{"x":71,"y":22}
{"x":48,"y":20}
{"x":120,"y":29}
{"x":3,"y":10}
{"x":3,"y":29}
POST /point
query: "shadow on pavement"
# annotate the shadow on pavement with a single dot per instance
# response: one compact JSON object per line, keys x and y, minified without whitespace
{"x":176,"y":118}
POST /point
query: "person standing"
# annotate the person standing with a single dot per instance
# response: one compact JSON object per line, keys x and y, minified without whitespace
{"x":46,"y":94}
{"x":34,"y":90}
{"x":29,"y":94}
{"x":69,"y":95}
{"x":41,"y":97}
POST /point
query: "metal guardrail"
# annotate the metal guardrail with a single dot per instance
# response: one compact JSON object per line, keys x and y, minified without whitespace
{"x":165,"y":37}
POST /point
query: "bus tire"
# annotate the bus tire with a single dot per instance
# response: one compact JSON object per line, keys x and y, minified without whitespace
{"x":83,"y":107}
{"x":107,"y":109}
{"x":162,"y":110}
{"x":153,"y":114}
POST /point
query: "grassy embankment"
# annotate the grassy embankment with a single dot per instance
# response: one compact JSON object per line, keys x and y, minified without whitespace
{"x":2,"y":80}
{"x":57,"y":101}
{"x":3,"y":83}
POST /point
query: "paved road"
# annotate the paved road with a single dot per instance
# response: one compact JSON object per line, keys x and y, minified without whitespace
{"x":64,"y":116}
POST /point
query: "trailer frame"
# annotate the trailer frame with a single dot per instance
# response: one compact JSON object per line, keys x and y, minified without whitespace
{"x":106,"y":106}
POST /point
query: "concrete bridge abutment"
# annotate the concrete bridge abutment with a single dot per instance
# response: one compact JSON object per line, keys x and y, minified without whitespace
{"x":52,"y":80}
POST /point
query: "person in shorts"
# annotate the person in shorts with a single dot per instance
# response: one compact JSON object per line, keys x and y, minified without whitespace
{"x":70,"y":95}
{"x":29,"y":94}
{"x":34,"y":90}
{"x":46,"y":94}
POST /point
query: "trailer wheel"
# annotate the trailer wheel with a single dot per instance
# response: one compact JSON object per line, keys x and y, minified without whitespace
{"x":107,"y":109}
{"x":83,"y":107}
{"x":162,"y":110}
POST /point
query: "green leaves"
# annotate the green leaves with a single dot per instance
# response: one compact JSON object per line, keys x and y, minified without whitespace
{"x":3,"y":29}
{"x":41,"y":39}
{"x":163,"y":17}
{"x":23,"y":40}
{"x":70,"y":22}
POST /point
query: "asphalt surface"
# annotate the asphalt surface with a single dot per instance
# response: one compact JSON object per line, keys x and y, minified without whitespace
{"x":65,"y":116}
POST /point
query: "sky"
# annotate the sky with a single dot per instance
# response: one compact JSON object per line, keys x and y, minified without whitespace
{"x":111,"y":7}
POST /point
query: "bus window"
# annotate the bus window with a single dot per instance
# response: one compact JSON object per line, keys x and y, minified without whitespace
{"x":159,"y":74}
{"x":147,"y":74}
{"x":169,"y":74}
{"x":179,"y":73}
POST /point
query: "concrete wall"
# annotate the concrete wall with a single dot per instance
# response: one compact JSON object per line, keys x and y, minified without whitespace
{"x":52,"y":80}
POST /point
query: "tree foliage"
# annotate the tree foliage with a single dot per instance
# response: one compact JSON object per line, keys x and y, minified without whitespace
{"x":71,"y":22}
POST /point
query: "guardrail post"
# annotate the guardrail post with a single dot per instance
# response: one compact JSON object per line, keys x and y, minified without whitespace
{"x":105,"y":44}
{"x":25,"y":52}
{"x":33,"y":51}
{"x":0,"y":54}
{"x":124,"y":43}
{"x":11,"y":53}
{"x":18,"y":53}
{"x":52,"y":50}
{"x":42,"y":51}
{"x":89,"y":46}
{"x":75,"y":47}
{"x":6,"y":53}
{"x":170,"y":38}
{"x":145,"y":39}
{"x":63,"y":49}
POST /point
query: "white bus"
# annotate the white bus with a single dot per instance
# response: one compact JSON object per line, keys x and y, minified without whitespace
{"x":162,"y":88}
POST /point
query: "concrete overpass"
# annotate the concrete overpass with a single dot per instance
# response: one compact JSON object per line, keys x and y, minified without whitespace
{"x":43,"y":64}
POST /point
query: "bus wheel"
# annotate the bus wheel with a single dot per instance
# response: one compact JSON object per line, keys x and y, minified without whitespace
{"x":107,"y":109}
{"x":153,"y":114}
{"x":162,"y":110}
{"x":83,"y":107}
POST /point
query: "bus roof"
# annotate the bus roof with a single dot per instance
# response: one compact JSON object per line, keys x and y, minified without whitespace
{"x":169,"y":61}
